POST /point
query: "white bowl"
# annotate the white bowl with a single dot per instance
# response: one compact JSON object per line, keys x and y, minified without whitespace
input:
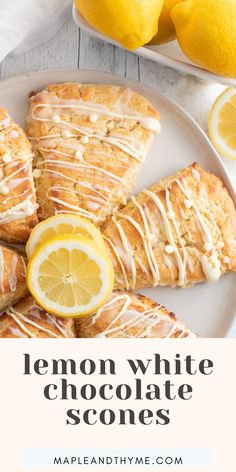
{"x":168,"y":54}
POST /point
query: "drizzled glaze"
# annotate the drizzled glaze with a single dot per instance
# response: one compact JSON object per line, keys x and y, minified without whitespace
{"x":126,"y":256}
{"x":73,"y":137}
{"x":26,"y":207}
{"x":10,"y":270}
{"x":24,"y":323}
{"x":86,"y":108}
{"x":132,"y":320}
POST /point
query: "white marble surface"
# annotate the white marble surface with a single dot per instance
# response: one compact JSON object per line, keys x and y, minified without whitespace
{"x":73,"y":49}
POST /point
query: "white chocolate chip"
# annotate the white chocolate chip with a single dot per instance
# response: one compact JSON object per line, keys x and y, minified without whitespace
{"x":4,"y":190}
{"x":93,"y":118}
{"x":56,"y":118}
{"x":188,"y":203}
{"x":5,"y":121}
{"x":169,"y":249}
{"x":226,"y":260}
{"x":14,"y":134}
{"x":171,"y":215}
{"x":66,"y":133}
{"x":207,"y":247}
{"x":84,"y":139}
{"x":220,"y":245}
{"x":79,"y":154}
{"x":37,"y":173}
{"x":6,"y":158}
{"x":111,"y":125}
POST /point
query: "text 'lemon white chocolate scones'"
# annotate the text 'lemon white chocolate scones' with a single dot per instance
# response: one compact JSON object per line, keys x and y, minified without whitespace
{"x":27,"y":320}
{"x":17,"y":194}
{"x":130,"y":315}
{"x":12,"y":277}
{"x":178,"y":232}
{"x":90,"y":141}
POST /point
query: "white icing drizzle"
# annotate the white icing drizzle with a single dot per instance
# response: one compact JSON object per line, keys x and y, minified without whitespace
{"x":196,"y":174}
{"x":22,"y":321}
{"x":2,"y":266}
{"x":24,"y":208}
{"x":149,"y":123}
{"x":211,"y":271}
{"x":20,"y":210}
{"x":168,"y":232}
{"x":119,"y":260}
{"x":84,"y":165}
{"x":121,"y":143}
{"x":210,"y":264}
{"x":128,"y":318}
{"x":129,"y":251}
{"x":146,"y":239}
{"x":13,"y":278}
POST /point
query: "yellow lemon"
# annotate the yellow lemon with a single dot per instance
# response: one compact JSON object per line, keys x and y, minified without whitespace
{"x":206,"y":32}
{"x":166,"y":29}
{"x":130,"y":22}
{"x":222,"y":123}
{"x":62,"y":224}
{"x":70,"y":276}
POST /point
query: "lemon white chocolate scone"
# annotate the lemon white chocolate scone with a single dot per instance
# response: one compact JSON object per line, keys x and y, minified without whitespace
{"x":178,"y":232}
{"x":89,"y":141}
{"x":12,"y":277}
{"x":27,"y":320}
{"x":17,"y":194}
{"x":129,"y":315}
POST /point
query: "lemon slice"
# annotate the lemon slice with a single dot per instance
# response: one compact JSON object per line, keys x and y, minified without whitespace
{"x":222,"y":123}
{"x":70,"y":276}
{"x":62,"y":224}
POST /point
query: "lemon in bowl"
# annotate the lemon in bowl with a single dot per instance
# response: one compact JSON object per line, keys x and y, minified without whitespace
{"x":206,"y":32}
{"x":128,"y":22}
{"x":166,"y":29}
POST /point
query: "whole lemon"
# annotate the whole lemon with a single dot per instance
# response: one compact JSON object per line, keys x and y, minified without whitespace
{"x":166,"y":29}
{"x":130,"y":22}
{"x":206,"y":32}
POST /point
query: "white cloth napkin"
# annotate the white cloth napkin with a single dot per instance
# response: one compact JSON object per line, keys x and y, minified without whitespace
{"x":25,"y":24}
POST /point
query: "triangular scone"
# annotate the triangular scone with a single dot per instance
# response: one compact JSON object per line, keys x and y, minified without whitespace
{"x":130,"y":315}
{"x":178,"y":232}
{"x":89,"y":142}
{"x":27,"y":320}
{"x":17,"y":194}
{"x":12,"y":277}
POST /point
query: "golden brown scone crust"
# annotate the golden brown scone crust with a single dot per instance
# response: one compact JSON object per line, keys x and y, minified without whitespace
{"x":44,"y":325}
{"x":217,"y":212}
{"x":17,"y":223}
{"x":130,"y":315}
{"x":12,"y":277}
{"x":87,"y":190}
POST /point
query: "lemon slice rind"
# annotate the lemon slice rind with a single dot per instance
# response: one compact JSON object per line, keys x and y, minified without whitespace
{"x":213,"y":121}
{"x":54,"y":222}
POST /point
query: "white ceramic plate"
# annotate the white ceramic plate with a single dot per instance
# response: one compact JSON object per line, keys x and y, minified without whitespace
{"x":208,"y":309}
{"x":168,"y":54}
